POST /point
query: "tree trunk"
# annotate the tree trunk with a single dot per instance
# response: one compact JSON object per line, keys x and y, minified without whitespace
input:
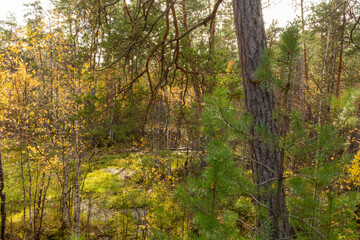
{"x":76,"y":184}
{"x":41,"y":205}
{"x":88,"y":219}
{"x":24,"y":193}
{"x":306,"y":71}
{"x":323,"y":109}
{"x":65,"y":195}
{"x":267,"y":162}
{"x":339,"y":71}
{"x":30,"y":196}
{"x":2,"y":198}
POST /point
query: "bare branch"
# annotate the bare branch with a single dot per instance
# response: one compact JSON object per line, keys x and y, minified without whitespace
{"x":110,"y":4}
{"x":258,"y":202}
{"x":202,"y":22}
{"x":315,"y":229}
{"x":352,"y":30}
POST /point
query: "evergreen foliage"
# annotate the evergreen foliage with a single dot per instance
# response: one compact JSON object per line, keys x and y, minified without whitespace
{"x":213,"y":195}
{"x":126,"y":120}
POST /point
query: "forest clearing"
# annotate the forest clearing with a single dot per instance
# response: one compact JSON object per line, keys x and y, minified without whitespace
{"x":180,"y":119}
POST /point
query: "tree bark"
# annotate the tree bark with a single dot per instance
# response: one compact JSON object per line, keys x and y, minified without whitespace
{"x":41,"y":205}
{"x":339,"y":71}
{"x":322,"y":117}
{"x":306,"y":71}
{"x":267,"y":162}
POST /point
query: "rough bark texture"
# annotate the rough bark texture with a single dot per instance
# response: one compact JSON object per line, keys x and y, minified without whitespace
{"x":267,"y":162}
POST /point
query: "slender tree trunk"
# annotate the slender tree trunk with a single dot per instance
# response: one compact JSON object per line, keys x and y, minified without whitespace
{"x":30,"y":195}
{"x":35,"y":203}
{"x":65,"y":196}
{"x":167,"y":129}
{"x":88,"y":219}
{"x":3,"y":200}
{"x":306,"y":71}
{"x":199,"y":100}
{"x":41,"y":205}
{"x":179,"y":123}
{"x":77,"y":183}
{"x":11,"y":219}
{"x":267,"y":160}
{"x":185,"y":21}
{"x":212,"y":30}
{"x":331,"y":85}
{"x":305,"y":61}
{"x":322,"y":118}
{"x":24,"y":193}
{"x":337,"y":86}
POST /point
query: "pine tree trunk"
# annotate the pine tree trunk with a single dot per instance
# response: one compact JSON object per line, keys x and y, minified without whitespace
{"x":337,"y":88}
{"x":322,"y":117}
{"x":306,"y":71}
{"x":267,"y":160}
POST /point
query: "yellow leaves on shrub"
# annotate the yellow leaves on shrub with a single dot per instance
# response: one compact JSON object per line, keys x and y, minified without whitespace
{"x":354,"y":170}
